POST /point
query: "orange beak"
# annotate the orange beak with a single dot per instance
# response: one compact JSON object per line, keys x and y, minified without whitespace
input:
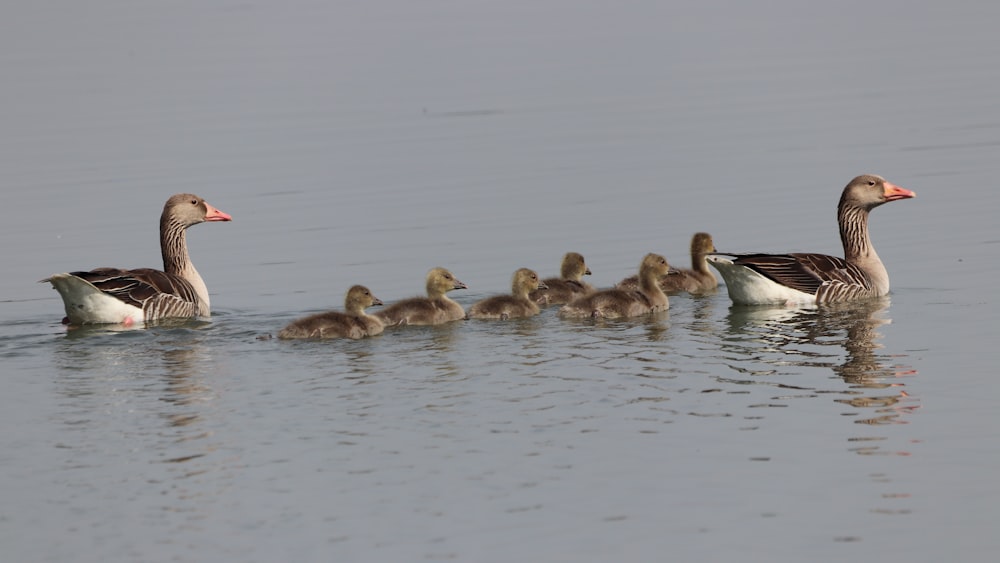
{"x":216,"y":215}
{"x":892,"y":192}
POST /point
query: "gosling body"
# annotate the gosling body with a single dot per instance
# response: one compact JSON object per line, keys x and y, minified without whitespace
{"x":436,"y":308}
{"x":699,"y":279}
{"x":568,"y":286}
{"x":617,"y":303}
{"x":352,"y":323}
{"x":516,"y":305}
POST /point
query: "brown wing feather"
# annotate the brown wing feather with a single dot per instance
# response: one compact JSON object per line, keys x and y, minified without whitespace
{"x":145,"y":288}
{"x":790,"y":270}
{"x":806,"y":272}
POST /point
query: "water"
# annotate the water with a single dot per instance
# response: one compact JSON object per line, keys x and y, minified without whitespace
{"x":368,"y":143}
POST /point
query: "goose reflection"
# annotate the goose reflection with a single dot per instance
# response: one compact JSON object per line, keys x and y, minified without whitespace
{"x":841,"y":337}
{"x":184,"y":385}
{"x":162,"y":374}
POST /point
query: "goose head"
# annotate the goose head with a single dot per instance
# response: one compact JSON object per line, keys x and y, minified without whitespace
{"x":573,"y":267}
{"x":441,"y":281}
{"x":525,"y":281}
{"x":189,"y":209}
{"x":868,"y":191}
{"x":359,"y":298}
{"x":653,"y":265}
{"x":702,"y":243}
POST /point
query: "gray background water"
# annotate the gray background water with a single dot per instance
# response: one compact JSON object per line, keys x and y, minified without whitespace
{"x":367,"y":142}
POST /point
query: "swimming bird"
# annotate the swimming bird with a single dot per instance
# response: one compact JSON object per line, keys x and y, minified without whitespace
{"x":354,"y":322}
{"x":129,"y":297}
{"x":434,"y":309}
{"x":568,"y":286}
{"x":515,"y":305}
{"x":698,"y":279}
{"x":810,"y":278}
{"x":613,"y":303}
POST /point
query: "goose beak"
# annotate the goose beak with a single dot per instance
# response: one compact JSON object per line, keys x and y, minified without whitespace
{"x":542,"y":285}
{"x":376,"y":301}
{"x":216,"y":215}
{"x":460,"y":285}
{"x":587,"y":272}
{"x":892,"y":192}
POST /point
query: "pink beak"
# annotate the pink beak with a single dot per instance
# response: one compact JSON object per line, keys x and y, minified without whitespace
{"x":216,"y":215}
{"x":892,"y":192}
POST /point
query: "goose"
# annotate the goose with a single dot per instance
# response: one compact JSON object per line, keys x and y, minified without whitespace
{"x":352,"y":323}
{"x":130,"y":297}
{"x":699,"y":279}
{"x":515,"y":305}
{"x":614,"y":303}
{"x":809,"y":278}
{"x":568,"y":286}
{"x":436,"y":308}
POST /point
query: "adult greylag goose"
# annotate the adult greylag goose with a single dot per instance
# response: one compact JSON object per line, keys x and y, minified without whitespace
{"x":568,"y":286}
{"x":698,"y":279}
{"x":614,"y":303}
{"x":513,"y":306}
{"x":436,"y":308}
{"x":128,"y":297}
{"x":805,"y":278}
{"x":352,"y":323}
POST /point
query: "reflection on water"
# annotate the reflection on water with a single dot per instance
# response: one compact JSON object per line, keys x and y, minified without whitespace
{"x":185,"y":390}
{"x":143,"y":389}
{"x":705,"y":306}
{"x":843,"y":338}
{"x":208,"y":416}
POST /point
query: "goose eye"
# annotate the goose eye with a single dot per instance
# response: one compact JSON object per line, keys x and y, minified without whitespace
{"x":871,"y":182}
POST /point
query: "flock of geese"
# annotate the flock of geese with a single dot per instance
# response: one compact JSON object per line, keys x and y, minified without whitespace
{"x":132,"y":297}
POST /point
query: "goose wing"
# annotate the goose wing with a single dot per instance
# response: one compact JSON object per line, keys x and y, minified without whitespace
{"x":805,"y":272}
{"x":157,"y":293}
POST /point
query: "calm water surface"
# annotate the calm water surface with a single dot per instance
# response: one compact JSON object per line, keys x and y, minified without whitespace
{"x":367,"y":143}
